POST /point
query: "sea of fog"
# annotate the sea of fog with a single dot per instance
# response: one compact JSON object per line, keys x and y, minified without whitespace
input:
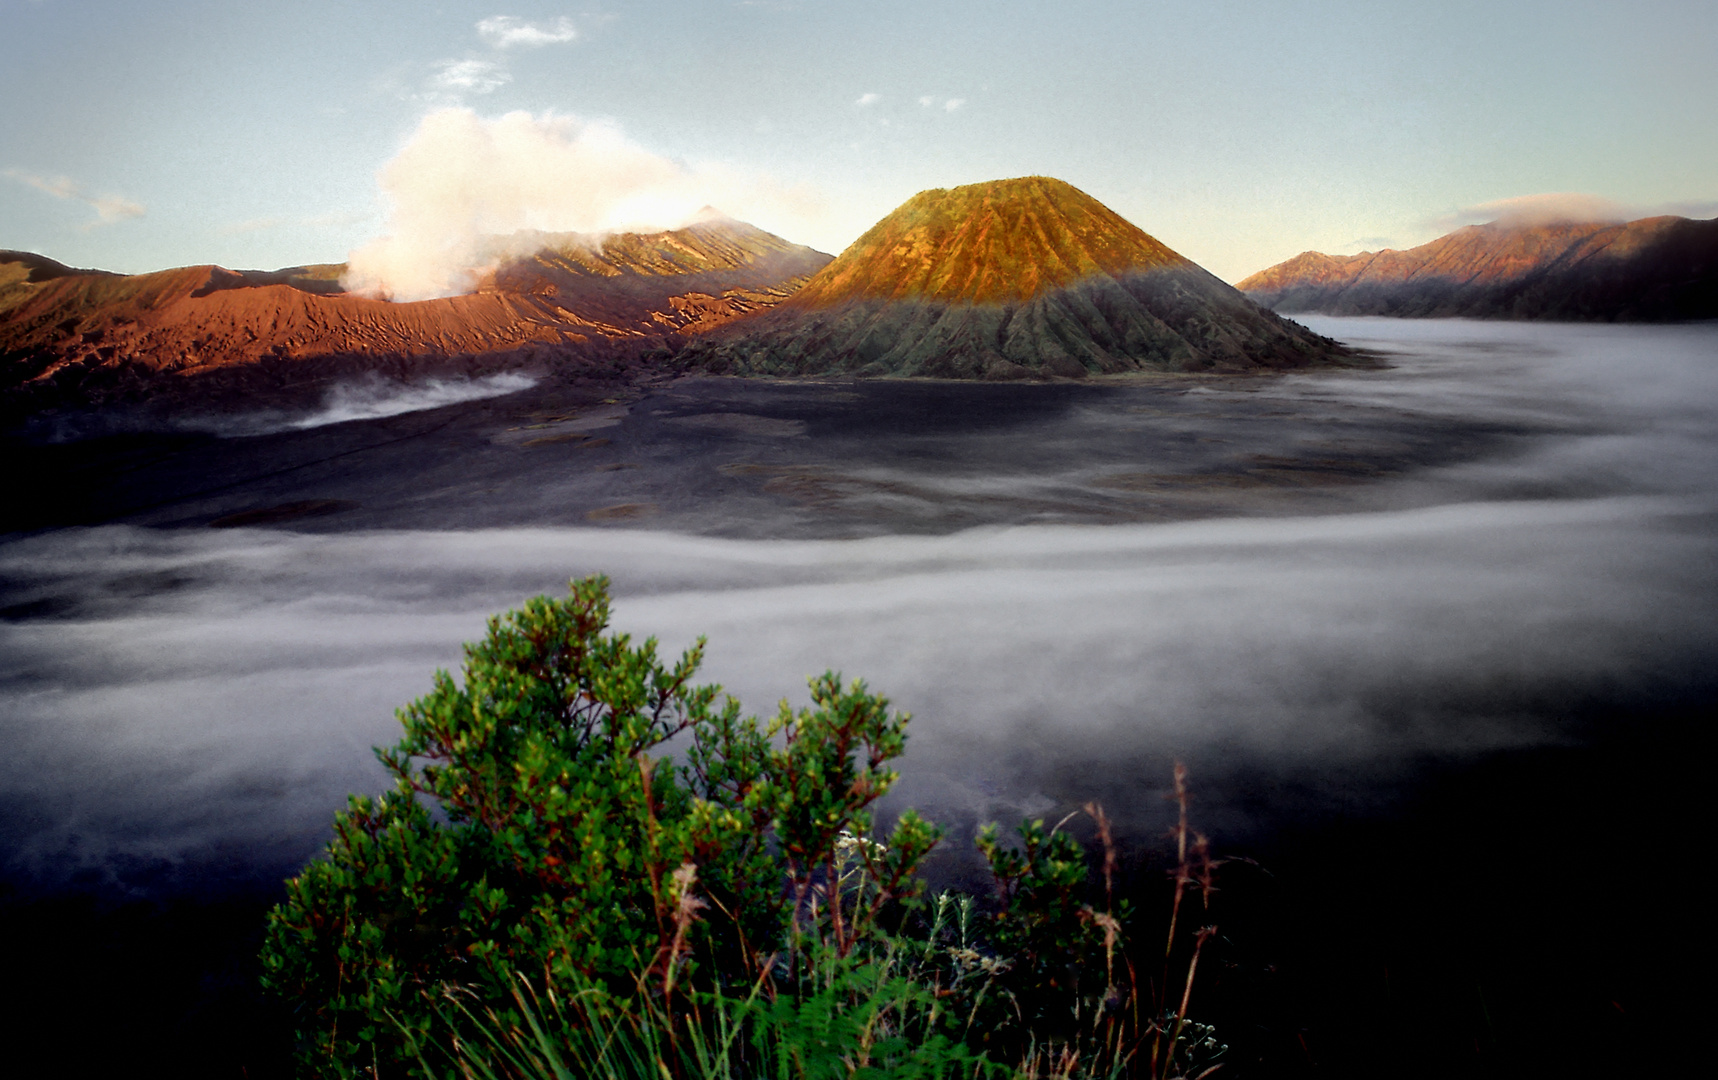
{"x":178,"y":704}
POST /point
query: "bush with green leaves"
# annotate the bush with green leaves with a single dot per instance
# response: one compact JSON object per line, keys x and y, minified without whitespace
{"x":547,"y":890}
{"x":537,"y":826}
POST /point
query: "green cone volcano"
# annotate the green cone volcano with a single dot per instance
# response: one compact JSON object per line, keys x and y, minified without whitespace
{"x":1010,"y":279}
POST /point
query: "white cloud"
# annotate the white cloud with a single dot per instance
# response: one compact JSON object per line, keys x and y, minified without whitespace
{"x":108,"y":208}
{"x":927,"y":101}
{"x":464,"y":184}
{"x":114,"y":207}
{"x":953,"y":103}
{"x":868,"y":99}
{"x":1547,"y":208}
{"x":471,"y":76}
{"x":60,"y":187}
{"x":1562,"y":207}
{"x":931,"y":101}
{"x":506,"y":31}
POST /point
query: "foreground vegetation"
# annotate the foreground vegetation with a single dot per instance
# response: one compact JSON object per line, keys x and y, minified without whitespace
{"x":548,"y":892}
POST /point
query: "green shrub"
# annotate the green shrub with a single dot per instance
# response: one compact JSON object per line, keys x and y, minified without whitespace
{"x":547,"y":892}
{"x":537,"y":827}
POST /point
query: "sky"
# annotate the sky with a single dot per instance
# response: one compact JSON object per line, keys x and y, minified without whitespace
{"x":259,"y":135}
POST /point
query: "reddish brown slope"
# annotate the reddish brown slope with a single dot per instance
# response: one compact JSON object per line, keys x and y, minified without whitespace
{"x":77,"y":335}
{"x":205,"y":316}
{"x":683,"y":282}
{"x":1009,"y":279}
{"x":1652,"y":269}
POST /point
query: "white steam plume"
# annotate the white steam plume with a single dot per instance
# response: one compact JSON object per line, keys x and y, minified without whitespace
{"x":463,"y":183}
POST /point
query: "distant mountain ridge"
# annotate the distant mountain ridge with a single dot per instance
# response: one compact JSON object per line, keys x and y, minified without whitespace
{"x":1017,"y":278}
{"x":93,"y":335}
{"x":1021,"y":278}
{"x":1649,"y":270}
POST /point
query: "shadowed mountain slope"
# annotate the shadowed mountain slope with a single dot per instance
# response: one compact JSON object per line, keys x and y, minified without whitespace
{"x":1653,"y":269}
{"x":1009,"y":279}
{"x":87,"y":336}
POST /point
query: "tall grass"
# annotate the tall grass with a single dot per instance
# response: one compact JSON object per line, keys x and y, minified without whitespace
{"x":832,"y":1018}
{"x":936,"y":999}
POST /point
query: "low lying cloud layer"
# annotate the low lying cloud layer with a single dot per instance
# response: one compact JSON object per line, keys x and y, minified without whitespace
{"x":1561,"y":208}
{"x":463,"y":185}
{"x":365,"y":399}
{"x":186,"y":697}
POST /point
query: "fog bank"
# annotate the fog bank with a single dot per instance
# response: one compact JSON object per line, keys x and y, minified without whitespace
{"x":176,"y":697}
{"x":369,"y":398}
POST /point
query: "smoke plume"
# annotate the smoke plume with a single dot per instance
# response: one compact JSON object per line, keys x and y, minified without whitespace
{"x":464,"y":185}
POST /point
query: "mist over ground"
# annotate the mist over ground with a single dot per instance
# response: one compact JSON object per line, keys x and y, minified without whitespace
{"x":369,"y":398}
{"x":182,"y":703}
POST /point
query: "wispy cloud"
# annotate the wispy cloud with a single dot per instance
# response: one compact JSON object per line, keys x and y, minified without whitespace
{"x":931,"y":101}
{"x":1560,"y":207}
{"x":108,"y":208}
{"x":470,"y":76}
{"x":868,"y":99}
{"x":506,"y":31}
{"x":453,"y":79}
{"x":1369,"y":243}
{"x":953,"y":103}
{"x":1546,"y":208}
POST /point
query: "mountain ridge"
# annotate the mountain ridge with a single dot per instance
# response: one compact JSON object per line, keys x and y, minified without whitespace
{"x":71,"y":335}
{"x":1652,"y":269}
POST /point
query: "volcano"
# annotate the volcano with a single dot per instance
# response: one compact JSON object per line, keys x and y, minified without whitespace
{"x":1651,"y":270}
{"x":212,"y":335}
{"x":1009,"y":279}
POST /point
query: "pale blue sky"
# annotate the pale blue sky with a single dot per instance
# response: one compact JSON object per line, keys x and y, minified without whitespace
{"x":138,"y":135}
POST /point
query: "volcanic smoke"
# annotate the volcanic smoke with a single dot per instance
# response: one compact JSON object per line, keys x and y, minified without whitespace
{"x":467,"y":192}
